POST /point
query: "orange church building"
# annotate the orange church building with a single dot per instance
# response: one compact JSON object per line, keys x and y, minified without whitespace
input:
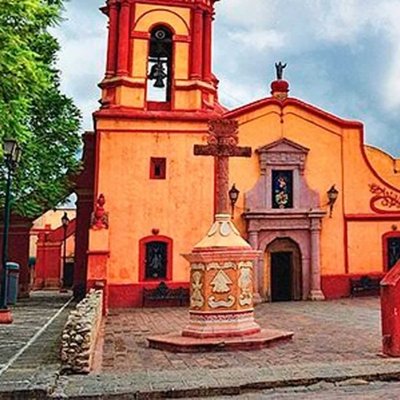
{"x":320,"y":205}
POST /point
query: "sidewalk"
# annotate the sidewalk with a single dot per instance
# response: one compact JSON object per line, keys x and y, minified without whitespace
{"x":29,"y":346}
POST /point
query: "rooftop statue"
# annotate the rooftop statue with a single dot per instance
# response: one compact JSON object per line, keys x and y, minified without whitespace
{"x":279,"y":70}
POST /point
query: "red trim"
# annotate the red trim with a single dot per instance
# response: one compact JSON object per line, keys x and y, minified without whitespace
{"x":197,"y":45}
{"x":346,"y":248}
{"x":97,"y":166}
{"x":112,"y":40}
{"x":385,"y":237}
{"x":142,"y":257}
{"x":159,"y":106}
{"x":123,"y":38}
{"x":140,"y":35}
{"x":338,"y":286}
{"x":182,"y":38}
{"x":372,"y":217}
{"x":131,"y":113}
{"x":120,"y":81}
{"x":162,"y":22}
{"x":393,"y":200}
{"x":291,"y":101}
{"x":98,"y":252}
{"x":207,"y":47}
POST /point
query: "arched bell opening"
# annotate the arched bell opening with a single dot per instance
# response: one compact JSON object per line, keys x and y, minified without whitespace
{"x":159,"y":66}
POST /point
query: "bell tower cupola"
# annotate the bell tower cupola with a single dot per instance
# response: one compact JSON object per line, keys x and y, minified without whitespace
{"x":160,"y":56}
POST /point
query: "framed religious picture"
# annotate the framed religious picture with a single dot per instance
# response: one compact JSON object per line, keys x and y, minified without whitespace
{"x":282,"y":189}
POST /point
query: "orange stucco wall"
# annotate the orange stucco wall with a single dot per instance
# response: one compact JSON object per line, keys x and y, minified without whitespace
{"x":180,"y":206}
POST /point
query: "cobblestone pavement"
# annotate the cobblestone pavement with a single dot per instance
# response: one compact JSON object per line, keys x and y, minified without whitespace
{"x":360,"y":390}
{"x":39,"y":362}
{"x":334,"y":354}
{"x":332,"y":331}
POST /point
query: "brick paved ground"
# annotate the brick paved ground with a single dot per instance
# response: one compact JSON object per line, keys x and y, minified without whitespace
{"x":335,"y":344}
{"x":332,"y":331}
{"x":324,"y":391}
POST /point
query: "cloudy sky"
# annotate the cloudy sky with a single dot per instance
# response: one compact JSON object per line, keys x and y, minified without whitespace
{"x":343,"y":56}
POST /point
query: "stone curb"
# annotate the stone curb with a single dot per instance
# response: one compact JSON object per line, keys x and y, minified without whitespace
{"x":205,"y":382}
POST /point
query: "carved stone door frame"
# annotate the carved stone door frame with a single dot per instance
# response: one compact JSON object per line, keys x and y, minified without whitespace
{"x":301,"y":223}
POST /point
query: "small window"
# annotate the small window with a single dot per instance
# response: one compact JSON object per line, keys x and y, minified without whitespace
{"x":156,"y":260}
{"x":393,"y":251}
{"x":157,"y":168}
{"x":282,"y":189}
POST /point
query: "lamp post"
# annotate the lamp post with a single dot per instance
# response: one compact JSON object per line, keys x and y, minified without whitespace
{"x":65,"y":223}
{"x":233,"y":197}
{"x":12,"y":155}
{"x":332,"y":197}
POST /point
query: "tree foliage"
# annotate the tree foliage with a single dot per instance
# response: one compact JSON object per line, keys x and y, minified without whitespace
{"x":33,"y":110}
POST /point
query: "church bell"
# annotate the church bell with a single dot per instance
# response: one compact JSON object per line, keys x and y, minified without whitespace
{"x":158,"y":74}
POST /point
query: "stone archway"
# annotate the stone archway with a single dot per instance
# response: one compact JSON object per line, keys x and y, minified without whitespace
{"x":283,"y":270}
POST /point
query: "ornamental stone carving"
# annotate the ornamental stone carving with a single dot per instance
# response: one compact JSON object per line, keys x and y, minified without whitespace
{"x":197,"y":299}
{"x":282,"y":152}
{"x":221,"y":283}
{"x":227,"y":303}
{"x":246,"y":284}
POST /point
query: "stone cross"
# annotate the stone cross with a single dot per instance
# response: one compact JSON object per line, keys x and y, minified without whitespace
{"x":222,"y":144}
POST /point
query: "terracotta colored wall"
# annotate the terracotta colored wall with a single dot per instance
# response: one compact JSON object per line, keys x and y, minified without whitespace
{"x":263,"y":127}
{"x":180,"y":206}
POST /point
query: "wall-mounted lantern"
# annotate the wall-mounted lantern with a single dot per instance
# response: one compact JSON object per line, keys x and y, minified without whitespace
{"x":233,"y":196}
{"x":332,"y":197}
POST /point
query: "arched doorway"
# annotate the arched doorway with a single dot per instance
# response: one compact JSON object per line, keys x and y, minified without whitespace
{"x":284,"y":270}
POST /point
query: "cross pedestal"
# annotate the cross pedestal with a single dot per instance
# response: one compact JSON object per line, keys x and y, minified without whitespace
{"x":221,"y":315}
{"x":221,"y":301}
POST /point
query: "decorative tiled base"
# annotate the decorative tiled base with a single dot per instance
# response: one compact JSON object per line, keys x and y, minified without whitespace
{"x":6,"y":316}
{"x":217,"y":325}
{"x":177,"y":343}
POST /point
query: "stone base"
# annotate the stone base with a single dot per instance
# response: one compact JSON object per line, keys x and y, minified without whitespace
{"x":6,"y":316}
{"x":177,"y":343}
{"x":257,"y":299}
{"x":316,"y":295}
{"x":217,"y":325}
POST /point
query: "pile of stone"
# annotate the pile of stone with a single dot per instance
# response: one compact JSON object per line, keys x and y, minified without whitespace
{"x":80,"y":334}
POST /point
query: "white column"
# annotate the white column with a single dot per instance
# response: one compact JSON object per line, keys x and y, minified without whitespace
{"x":253,"y":240}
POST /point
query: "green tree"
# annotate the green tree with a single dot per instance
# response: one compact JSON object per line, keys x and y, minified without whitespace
{"x":33,"y":110}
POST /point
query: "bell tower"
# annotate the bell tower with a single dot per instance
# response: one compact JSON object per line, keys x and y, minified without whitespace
{"x":159,"y":56}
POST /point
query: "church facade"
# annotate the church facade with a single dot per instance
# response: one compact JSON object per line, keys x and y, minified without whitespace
{"x":320,"y":205}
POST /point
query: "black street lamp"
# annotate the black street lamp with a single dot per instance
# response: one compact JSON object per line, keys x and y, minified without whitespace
{"x":65,"y":223}
{"x":233,"y":197}
{"x":12,"y":155}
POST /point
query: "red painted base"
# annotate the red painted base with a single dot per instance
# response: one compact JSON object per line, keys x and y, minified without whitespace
{"x":338,"y":286}
{"x":131,"y":295}
{"x":176,"y":343}
{"x":6,"y":316}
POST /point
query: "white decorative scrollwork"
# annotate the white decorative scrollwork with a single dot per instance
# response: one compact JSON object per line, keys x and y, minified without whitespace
{"x":214,"y":303}
{"x":196,"y":299}
{"x":246,"y":285}
{"x":225,"y":265}
{"x":198,"y":267}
